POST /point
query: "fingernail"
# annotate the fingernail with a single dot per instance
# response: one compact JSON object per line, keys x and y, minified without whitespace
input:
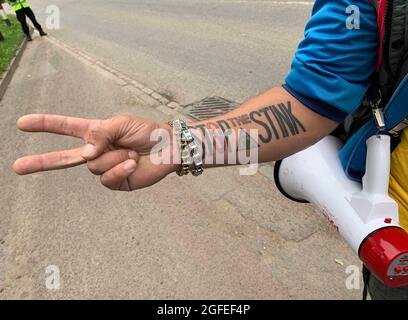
{"x":133,"y":155}
{"x":130,"y":165}
{"x":89,"y":151}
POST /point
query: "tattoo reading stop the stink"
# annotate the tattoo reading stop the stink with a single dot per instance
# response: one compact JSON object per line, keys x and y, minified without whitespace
{"x":277,"y":122}
{"x":227,"y":141}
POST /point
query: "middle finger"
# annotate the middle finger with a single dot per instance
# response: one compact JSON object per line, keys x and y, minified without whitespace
{"x":49,"y":161}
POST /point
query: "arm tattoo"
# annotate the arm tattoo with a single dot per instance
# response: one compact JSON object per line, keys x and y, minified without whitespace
{"x":277,"y":122}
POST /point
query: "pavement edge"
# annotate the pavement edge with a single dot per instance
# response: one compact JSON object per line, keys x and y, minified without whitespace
{"x":148,"y":95}
{"x":8,"y":75}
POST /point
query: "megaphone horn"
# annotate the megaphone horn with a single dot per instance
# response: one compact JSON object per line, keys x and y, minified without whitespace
{"x":364,"y":214}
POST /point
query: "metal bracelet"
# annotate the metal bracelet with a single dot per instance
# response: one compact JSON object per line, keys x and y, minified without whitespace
{"x":191,"y":160}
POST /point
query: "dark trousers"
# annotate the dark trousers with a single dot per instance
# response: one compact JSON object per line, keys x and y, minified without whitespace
{"x":21,"y":16}
{"x":378,"y":291}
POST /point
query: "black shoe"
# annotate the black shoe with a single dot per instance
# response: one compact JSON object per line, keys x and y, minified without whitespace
{"x":29,"y":38}
{"x":43,"y":34}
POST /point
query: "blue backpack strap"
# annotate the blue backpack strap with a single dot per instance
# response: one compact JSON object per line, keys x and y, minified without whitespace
{"x":353,"y":153}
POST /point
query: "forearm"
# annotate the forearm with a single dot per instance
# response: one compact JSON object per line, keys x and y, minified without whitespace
{"x":268,"y":127}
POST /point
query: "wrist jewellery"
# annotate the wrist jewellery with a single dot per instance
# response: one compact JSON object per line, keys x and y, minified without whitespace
{"x":191,"y":160}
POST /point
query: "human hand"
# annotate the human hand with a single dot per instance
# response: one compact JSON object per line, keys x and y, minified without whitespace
{"x":117,"y":149}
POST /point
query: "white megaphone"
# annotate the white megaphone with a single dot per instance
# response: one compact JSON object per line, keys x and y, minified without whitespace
{"x":364,"y":214}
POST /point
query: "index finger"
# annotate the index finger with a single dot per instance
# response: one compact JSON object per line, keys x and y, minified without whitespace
{"x":69,"y":126}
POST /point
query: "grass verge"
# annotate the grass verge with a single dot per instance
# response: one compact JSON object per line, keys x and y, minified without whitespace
{"x":13,"y":38}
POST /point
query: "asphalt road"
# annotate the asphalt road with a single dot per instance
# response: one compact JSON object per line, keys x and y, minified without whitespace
{"x":188,"y":49}
{"x":223,"y":236}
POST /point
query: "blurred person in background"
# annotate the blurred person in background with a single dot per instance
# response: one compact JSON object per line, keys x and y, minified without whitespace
{"x":23,"y":10}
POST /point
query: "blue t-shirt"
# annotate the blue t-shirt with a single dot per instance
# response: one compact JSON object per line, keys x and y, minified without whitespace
{"x":334,"y":64}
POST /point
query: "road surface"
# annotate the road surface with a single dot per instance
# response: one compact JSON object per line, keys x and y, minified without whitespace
{"x":188,"y":49}
{"x":220,"y":236}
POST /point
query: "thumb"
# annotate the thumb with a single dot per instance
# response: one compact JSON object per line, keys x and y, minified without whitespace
{"x":100,"y":135}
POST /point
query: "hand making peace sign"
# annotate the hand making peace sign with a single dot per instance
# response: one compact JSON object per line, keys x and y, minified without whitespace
{"x":117,"y":149}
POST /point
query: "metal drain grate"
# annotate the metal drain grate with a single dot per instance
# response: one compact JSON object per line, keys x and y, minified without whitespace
{"x":210,"y":107}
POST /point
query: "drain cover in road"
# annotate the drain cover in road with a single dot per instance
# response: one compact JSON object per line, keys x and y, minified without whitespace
{"x":210,"y":107}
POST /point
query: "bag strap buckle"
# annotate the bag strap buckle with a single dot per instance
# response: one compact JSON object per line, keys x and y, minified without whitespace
{"x":399,"y":127}
{"x":379,"y":119}
{"x":378,"y":113}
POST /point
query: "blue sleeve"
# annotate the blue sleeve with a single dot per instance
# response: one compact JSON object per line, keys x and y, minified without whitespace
{"x":334,"y":64}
